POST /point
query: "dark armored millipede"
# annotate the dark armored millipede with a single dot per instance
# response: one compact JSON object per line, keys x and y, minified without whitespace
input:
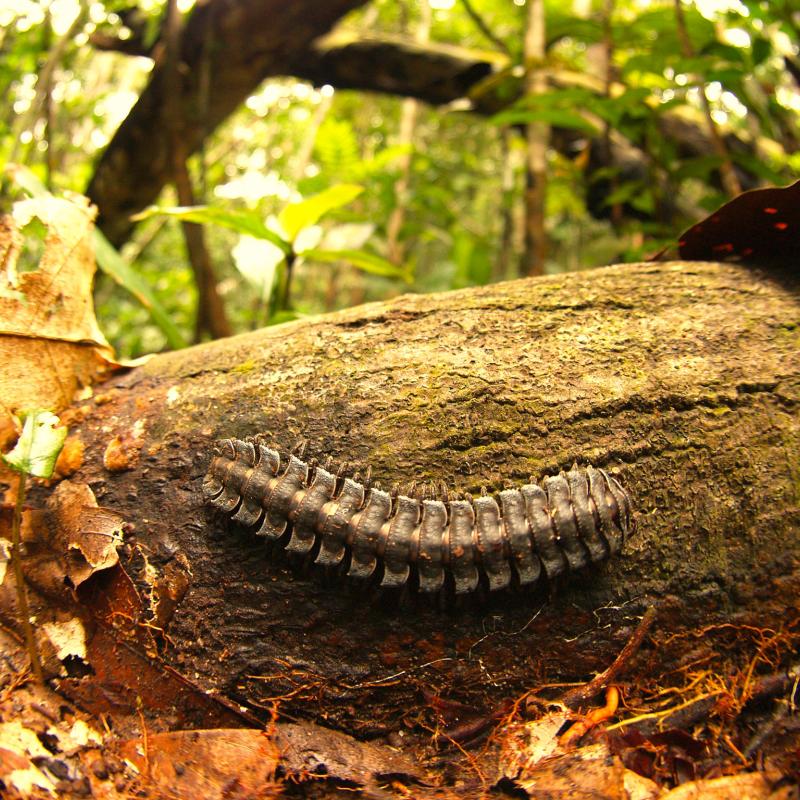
{"x":573,"y":519}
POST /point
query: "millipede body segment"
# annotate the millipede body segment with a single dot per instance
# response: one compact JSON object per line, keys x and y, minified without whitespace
{"x":573,"y":519}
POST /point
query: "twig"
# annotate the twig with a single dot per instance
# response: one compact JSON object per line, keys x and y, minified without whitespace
{"x":681,"y":716}
{"x":22,"y":596}
{"x":484,"y":28}
{"x":593,"y":718}
{"x":27,"y":119}
{"x":145,"y":743}
{"x":771,"y":686}
{"x":730,"y":180}
{"x":582,"y":694}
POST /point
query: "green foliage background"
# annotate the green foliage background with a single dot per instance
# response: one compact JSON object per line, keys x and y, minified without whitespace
{"x":466,"y":172}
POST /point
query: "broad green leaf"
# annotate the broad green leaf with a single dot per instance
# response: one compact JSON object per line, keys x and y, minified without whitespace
{"x":336,"y":148}
{"x":297,"y":216}
{"x":561,"y":118}
{"x":561,"y":25}
{"x":112,"y":263}
{"x":368,"y":262}
{"x":39,"y":445}
{"x":700,"y":167}
{"x":249,"y":223}
{"x":759,"y":166}
{"x":624,"y":193}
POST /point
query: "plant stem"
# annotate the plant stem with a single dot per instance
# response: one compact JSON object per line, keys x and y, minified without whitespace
{"x":286,"y":298}
{"x":22,"y":597}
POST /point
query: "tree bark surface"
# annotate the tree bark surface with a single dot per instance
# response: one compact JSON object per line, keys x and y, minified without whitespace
{"x":682,"y":379}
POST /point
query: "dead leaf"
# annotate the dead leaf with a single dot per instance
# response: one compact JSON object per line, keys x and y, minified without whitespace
{"x":70,"y":540}
{"x":43,"y":741}
{"x":87,"y":534}
{"x":589,"y":773}
{"x":745,"y":786}
{"x":524,"y":744}
{"x":17,"y":769}
{"x":46,"y":314}
{"x":309,"y":750}
{"x":211,"y":764}
{"x":126,"y":671}
{"x":533,"y":760}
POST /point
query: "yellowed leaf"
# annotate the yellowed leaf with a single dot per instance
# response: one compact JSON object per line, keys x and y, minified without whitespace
{"x":50,"y":343}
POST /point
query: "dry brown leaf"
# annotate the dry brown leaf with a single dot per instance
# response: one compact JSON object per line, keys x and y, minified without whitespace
{"x":532,"y":758}
{"x":525,"y":744}
{"x":66,"y":543}
{"x":588,"y":773}
{"x":46,"y":315}
{"x":209,"y":764}
{"x":745,"y":786}
{"x":87,"y":534}
{"x":308,"y":750}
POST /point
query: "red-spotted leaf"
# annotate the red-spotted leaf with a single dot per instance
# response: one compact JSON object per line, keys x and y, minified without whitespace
{"x":761,"y":226}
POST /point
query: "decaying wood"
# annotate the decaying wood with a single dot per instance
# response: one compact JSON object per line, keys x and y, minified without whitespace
{"x":682,"y":379}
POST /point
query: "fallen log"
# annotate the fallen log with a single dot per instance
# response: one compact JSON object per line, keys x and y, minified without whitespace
{"x":681,"y":379}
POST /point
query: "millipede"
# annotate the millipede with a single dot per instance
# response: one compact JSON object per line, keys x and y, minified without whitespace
{"x":571,"y":520}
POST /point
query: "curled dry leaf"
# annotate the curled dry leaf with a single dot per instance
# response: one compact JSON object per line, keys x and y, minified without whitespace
{"x":70,"y":540}
{"x":46,"y":314}
{"x":85,"y":533}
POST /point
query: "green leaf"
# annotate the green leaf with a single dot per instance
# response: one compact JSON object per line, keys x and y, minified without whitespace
{"x":561,"y":118}
{"x":367,"y":262}
{"x":112,"y":263}
{"x":297,"y":216}
{"x":245,"y":222}
{"x":700,"y":167}
{"x":286,"y":315}
{"x":38,"y":446}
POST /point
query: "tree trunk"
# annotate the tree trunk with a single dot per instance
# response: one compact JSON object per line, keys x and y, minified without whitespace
{"x":537,"y":135}
{"x":409,"y":112}
{"x":211,"y":318}
{"x":682,"y":379}
{"x":252,"y":40}
{"x":249,"y":39}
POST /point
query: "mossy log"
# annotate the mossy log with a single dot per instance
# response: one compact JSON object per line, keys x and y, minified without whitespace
{"x":681,"y":379}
